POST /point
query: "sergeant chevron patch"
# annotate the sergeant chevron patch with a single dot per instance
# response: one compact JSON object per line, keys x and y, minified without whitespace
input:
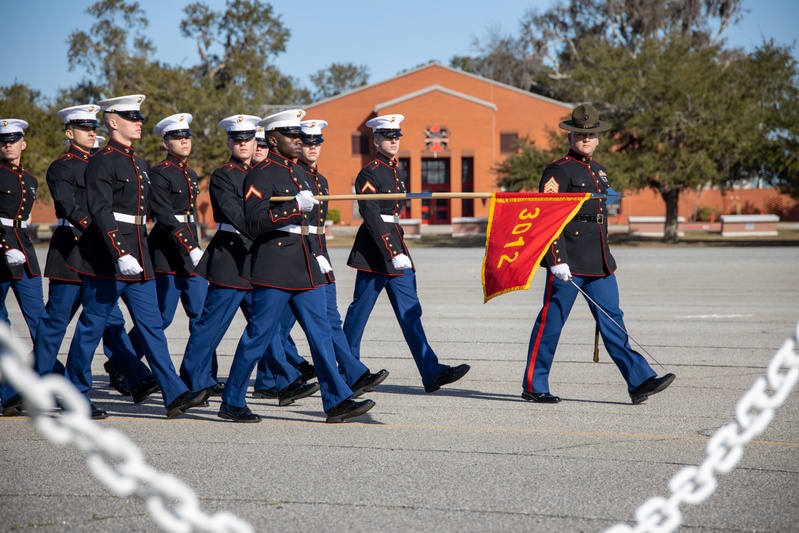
{"x":551,"y":186}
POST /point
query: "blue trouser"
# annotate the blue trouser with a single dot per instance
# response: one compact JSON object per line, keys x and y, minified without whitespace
{"x":100,"y":296}
{"x":282,"y":345}
{"x":171,"y":289}
{"x":30,"y":297}
{"x":350,"y":367}
{"x":404,"y":300}
{"x":267,"y":310}
{"x":63,"y":302}
{"x":559,"y":298}
{"x":220,"y":307}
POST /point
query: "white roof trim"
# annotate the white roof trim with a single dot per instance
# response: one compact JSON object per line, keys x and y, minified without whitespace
{"x":432,"y":88}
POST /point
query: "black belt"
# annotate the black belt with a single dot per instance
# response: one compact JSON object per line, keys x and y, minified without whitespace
{"x":599,"y":219}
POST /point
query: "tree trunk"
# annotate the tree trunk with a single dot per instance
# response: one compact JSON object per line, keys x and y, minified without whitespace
{"x":671,"y":198}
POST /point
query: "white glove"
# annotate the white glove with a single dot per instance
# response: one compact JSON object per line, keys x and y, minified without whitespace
{"x":195,"y":256}
{"x":401,"y":262}
{"x":129,"y":265}
{"x":562,"y":272}
{"x":306,"y":201}
{"x":324,"y":264}
{"x":14,"y":257}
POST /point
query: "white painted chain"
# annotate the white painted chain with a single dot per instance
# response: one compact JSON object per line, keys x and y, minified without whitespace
{"x":111,"y":456}
{"x":693,"y":485}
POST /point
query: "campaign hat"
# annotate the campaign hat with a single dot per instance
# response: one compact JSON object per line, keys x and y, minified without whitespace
{"x":585,"y":119}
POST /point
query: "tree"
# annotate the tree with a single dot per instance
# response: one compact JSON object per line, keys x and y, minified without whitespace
{"x":660,"y":75}
{"x":338,"y":78}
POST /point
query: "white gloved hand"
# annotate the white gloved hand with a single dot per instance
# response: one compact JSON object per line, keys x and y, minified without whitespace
{"x":195,"y":256}
{"x":129,"y":265}
{"x":306,"y":201}
{"x":324,"y":264}
{"x":401,"y":262}
{"x":14,"y":257}
{"x":561,"y":271}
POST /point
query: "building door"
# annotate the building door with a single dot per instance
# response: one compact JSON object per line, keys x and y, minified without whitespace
{"x":435,"y":178}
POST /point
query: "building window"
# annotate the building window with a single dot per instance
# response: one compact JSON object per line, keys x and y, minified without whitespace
{"x":360,"y":144}
{"x":467,"y":185}
{"x":508,"y":142}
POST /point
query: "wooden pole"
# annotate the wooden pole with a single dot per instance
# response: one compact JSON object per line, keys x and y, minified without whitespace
{"x":391,"y":196}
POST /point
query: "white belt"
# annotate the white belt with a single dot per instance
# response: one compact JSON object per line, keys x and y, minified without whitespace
{"x":316,"y":230}
{"x":187,"y":219}
{"x":390,"y":218}
{"x":221,"y":226}
{"x":293,"y":228}
{"x":136,"y":220}
{"x":64,"y":222}
{"x":14,"y":223}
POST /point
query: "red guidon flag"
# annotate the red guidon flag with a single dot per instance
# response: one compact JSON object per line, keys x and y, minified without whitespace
{"x":521,"y":227}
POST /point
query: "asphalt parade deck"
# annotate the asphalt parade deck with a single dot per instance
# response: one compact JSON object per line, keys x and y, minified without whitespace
{"x":472,"y":456}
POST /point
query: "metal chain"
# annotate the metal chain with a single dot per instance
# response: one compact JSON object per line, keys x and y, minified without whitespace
{"x":111,"y":456}
{"x":693,"y":485}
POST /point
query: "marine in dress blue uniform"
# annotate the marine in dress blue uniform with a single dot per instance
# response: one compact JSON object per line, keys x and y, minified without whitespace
{"x":581,"y":255}
{"x":356,"y":373}
{"x":114,"y":258}
{"x":174,"y":242}
{"x":19,"y":269}
{"x":67,"y":183}
{"x":222,"y":264}
{"x":383,"y":261}
{"x":283,"y":273}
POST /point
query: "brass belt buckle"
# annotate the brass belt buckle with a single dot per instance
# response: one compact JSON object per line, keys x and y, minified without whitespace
{"x":600,"y":219}
{"x":304,"y":230}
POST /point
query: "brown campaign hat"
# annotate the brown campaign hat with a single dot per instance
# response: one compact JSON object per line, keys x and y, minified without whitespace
{"x":585,"y":118}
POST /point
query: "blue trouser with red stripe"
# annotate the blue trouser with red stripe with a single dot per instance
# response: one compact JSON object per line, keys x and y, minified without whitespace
{"x":559,"y":298}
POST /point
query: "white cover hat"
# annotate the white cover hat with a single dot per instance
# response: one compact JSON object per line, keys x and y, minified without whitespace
{"x":85,"y":114}
{"x":286,"y":121}
{"x":125,"y":106}
{"x":12,"y":129}
{"x":178,"y":122}
{"x":388,"y":125}
{"x":312,"y":131}
{"x":240,"y":126}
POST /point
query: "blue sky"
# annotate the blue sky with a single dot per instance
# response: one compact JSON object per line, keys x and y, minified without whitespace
{"x":387,"y":40}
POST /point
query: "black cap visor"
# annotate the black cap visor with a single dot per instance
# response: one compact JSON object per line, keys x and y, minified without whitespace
{"x":11,"y":137}
{"x":133,"y":116}
{"x":178,"y":134}
{"x":312,"y":139}
{"x":83,"y":123}
{"x":389,"y":134}
{"x":241,"y":135}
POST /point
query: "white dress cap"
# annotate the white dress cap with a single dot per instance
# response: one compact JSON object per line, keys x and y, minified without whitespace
{"x":388,"y":125}
{"x":80,"y":114}
{"x":286,"y":121}
{"x":177,"y":123}
{"x":11,"y":129}
{"x":125,"y":106}
{"x":311,"y":131}
{"x":240,"y":127}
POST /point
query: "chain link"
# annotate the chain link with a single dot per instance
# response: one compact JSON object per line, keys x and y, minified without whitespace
{"x":754,"y":412}
{"x":112,"y":458}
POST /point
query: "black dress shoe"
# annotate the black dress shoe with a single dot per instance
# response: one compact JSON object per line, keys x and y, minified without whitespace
{"x":307,"y":371}
{"x":649,"y":387}
{"x":117,"y":379}
{"x":143,"y":390}
{"x":217,"y":389}
{"x":269,"y":394}
{"x":540,"y":397}
{"x":295,"y":391}
{"x":186,"y":401}
{"x":237,"y":414}
{"x":13,"y":407}
{"x":449,"y":374}
{"x":348,"y":409}
{"x":97,"y":413}
{"x":368,"y":382}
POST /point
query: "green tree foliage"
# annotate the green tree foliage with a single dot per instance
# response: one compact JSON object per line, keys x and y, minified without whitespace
{"x":685,"y":111}
{"x":522,"y":172}
{"x":338,"y":78}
